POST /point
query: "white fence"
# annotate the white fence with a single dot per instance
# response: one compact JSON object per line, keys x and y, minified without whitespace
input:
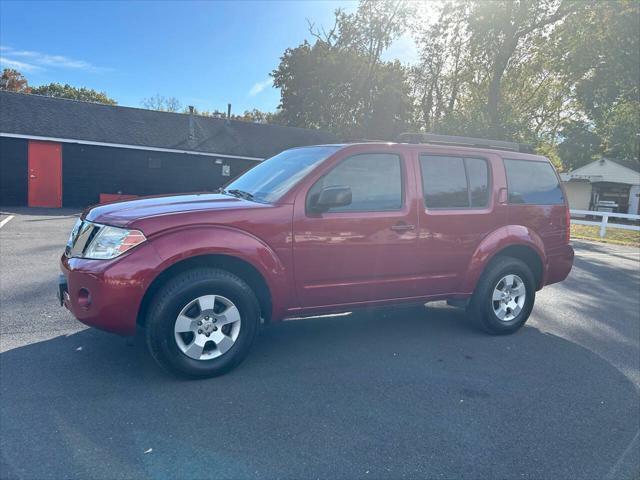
{"x":604,"y":223}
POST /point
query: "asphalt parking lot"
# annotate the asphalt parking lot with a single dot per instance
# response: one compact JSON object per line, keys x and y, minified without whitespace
{"x":394,"y":393}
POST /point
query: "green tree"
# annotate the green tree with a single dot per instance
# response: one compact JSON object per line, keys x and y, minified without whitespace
{"x":196,"y":111}
{"x":83,"y":94}
{"x":580,"y":144}
{"x":598,"y":54}
{"x":258,"y":116}
{"x":484,"y":68}
{"x":501,"y":35}
{"x":255,"y":115}
{"x":560,"y":74}
{"x":441,"y":80}
{"x":339,"y":83}
{"x":13,"y":81}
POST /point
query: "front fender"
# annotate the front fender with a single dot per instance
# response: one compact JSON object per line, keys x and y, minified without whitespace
{"x":496,"y":241}
{"x":174,"y":246}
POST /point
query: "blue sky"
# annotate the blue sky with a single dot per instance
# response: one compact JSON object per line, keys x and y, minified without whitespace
{"x":203,"y":53}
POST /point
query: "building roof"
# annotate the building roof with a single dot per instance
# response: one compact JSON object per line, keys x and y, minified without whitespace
{"x":604,"y":170}
{"x":27,"y":115}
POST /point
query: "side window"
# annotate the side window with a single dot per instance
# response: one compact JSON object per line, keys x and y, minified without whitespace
{"x":478,"y":175}
{"x":531,"y":182}
{"x":375,"y":180}
{"x":453,"y":182}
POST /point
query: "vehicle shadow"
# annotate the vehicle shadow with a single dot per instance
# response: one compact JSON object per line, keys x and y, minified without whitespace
{"x":607,"y":294}
{"x":386,"y":393}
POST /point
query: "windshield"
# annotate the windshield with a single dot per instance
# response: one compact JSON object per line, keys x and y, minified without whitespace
{"x":271,"y":179}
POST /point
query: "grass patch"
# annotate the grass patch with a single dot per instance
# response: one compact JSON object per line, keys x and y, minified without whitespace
{"x":613,"y":235}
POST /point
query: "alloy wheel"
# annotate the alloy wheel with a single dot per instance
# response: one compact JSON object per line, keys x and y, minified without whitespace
{"x":508,"y":297}
{"x":207,"y":327}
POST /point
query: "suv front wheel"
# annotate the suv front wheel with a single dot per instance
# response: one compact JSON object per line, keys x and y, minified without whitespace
{"x":504,"y":297}
{"x":202,"y":323}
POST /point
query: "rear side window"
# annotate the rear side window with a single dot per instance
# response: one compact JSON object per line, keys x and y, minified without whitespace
{"x":454,"y":182}
{"x":375,"y":180}
{"x":478,"y":176}
{"x":532,"y":182}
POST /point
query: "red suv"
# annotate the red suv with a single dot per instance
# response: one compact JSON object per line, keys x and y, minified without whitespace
{"x":318,"y":230}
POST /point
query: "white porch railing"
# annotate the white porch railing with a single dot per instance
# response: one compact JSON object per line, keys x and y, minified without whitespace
{"x":604,"y":223}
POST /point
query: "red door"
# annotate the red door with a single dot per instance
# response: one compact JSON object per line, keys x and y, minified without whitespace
{"x":461,"y":208}
{"x":363,"y":252}
{"x":45,"y":174}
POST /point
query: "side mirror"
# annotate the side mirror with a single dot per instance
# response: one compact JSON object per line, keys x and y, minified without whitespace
{"x":332,"y":197}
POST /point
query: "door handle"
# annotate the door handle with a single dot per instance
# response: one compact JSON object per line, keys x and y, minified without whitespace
{"x":502,"y":196}
{"x":402,"y":227}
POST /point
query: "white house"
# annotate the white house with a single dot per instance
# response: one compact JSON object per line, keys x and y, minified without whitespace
{"x":603,"y":184}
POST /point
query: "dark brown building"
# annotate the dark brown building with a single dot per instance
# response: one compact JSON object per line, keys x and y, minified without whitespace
{"x":57,"y":152}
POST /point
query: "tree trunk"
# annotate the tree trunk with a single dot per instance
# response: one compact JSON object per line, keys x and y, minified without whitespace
{"x":495,"y":84}
{"x":493,"y":98}
{"x":455,"y":81}
{"x":513,"y":33}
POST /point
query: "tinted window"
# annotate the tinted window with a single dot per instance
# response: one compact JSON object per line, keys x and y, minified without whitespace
{"x":478,"y":175}
{"x":271,"y":179}
{"x":532,"y":182}
{"x":375,"y":180}
{"x":446,"y":184}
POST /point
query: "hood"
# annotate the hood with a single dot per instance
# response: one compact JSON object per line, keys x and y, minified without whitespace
{"x":121,"y":214}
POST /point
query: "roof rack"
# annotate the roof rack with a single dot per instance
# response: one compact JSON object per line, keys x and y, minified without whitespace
{"x":463,"y":141}
{"x":365,"y":140}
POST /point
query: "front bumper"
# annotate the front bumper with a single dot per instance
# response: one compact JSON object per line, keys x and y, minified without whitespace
{"x":63,"y":289}
{"x":107,"y":294}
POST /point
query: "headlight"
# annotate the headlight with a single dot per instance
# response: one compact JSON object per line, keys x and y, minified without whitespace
{"x":110,"y":242}
{"x":74,"y":232}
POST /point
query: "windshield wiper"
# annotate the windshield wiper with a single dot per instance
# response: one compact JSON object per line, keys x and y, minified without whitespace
{"x":240,"y":194}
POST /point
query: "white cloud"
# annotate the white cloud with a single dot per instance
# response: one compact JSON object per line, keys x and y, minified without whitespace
{"x":17,"y":65}
{"x":38,"y":60}
{"x":260,"y":86}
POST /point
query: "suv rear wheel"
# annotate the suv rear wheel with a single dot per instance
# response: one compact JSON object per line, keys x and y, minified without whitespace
{"x":504,"y":297}
{"x":202,"y":323}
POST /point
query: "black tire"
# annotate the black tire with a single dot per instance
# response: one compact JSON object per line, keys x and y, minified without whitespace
{"x":480,"y":309}
{"x":178,"y":292}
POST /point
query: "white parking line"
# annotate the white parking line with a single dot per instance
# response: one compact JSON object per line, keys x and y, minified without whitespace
{"x":6,"y":220}
{"x":605,"y":254}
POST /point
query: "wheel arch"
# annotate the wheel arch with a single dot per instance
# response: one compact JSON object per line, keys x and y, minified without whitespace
{"x":242,"y":268}
{"x":515,"y":241}
{"x":526,"y":254}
